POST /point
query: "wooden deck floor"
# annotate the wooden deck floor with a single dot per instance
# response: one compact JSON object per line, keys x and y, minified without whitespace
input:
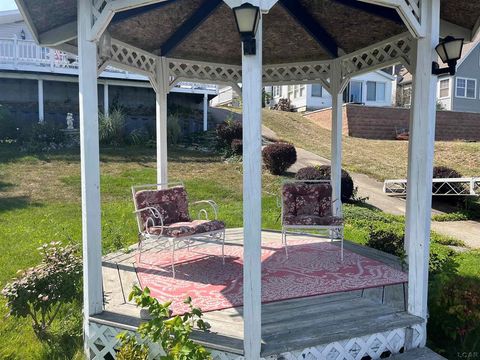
{"x":286,"y":325}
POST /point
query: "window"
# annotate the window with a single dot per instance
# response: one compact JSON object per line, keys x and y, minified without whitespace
{"x":375,"y":91}
{"x":317,"y":90}
{"x":290,"y":92}
{"x":277,"y":91}
{"x":466,"y":88}
{"x":302,"y":90}
{"x":356,"y":91}
{"x":444,"y":88}
{"x":296,"y":91}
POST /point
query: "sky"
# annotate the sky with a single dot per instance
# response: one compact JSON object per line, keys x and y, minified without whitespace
{"x":7,"y":5}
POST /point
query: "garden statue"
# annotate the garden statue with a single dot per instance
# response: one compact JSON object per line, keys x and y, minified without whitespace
{"x":70,"y":121}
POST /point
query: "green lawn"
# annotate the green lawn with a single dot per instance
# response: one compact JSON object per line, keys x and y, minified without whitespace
{"x":40,"y":202}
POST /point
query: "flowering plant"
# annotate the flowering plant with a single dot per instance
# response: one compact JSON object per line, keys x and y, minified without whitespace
{"x":40,"y":292}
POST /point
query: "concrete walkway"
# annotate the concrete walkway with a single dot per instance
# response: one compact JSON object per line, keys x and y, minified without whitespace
{"x":467,"y":231}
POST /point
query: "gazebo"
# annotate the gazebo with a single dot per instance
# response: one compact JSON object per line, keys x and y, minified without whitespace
{"x":297,"y":41}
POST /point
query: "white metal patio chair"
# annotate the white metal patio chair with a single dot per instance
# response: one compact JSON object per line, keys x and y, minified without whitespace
{"x":307,"y":205}
{"x":162,"y":212}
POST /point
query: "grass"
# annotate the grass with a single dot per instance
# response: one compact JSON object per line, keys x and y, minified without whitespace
{"x":381,"y":159}
{"x":40,"y":202}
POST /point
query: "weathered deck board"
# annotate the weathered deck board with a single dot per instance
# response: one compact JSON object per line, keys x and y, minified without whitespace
{"x":286,"y":325}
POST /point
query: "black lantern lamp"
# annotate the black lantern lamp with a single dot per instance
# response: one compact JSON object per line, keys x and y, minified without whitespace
{"x":450,"y":51}
{"x":22,"y":34}
{"x":247,"y":17}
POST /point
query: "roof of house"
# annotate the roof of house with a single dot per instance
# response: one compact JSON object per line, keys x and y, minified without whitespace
{"x":10,"y":16}
{"x":294,"y":30}
{"x":406,"y":78}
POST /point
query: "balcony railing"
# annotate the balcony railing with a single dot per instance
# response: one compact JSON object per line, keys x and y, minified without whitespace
{"x":26,"y":55}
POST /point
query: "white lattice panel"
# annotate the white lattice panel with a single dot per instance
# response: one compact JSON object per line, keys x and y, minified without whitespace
{"x":132,"y":57}
{"x":397,"y":49}
{"x":103,"y":341}
{"x":204,"y":72}
{"x":295,"y":73}
{"x":97,"y":8}
{"x":414,"y":7}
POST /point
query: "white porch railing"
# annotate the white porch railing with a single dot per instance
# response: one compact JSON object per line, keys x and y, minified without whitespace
{"x":26,"y":55}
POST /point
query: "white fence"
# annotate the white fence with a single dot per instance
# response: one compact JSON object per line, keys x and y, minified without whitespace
{"x":440,"y":187}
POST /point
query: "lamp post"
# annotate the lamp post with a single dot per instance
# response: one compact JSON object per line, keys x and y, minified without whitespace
{"x":450,"y":51}
{"x":247,"y":17}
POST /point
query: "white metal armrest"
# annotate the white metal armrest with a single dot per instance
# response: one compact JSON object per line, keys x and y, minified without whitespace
{"x":212,"y":203}
{"x":156,"y":215}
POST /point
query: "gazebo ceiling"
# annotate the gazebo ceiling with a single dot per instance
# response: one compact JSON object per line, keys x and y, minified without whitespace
{"x":293,"y":30}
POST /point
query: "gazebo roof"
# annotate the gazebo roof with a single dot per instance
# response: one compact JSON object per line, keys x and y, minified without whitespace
{"x":204,"y":30}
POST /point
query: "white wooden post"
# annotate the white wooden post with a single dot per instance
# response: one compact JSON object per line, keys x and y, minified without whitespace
{"x":205,"y":112}
{"x":106,"y":108}
{"x":336,"y":145}
{"x":252,"y":198}
{"x":15,"y":51}
{"x":41,"y":111}
{"x":90,"y":168}
{"x":420,"y":162}
{"x":161,"y":91}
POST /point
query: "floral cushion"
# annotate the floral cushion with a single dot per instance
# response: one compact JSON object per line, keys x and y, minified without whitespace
{"x":308,"y":204}
{"x":187,"y":228}
{"x":312,"y":220}
{"x":172,"y":204}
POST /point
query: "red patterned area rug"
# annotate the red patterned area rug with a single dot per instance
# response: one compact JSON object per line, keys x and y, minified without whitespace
{"x":311,"y":269}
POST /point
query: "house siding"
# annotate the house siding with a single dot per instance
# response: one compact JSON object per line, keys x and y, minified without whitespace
{"x":7,"y":31}
{"x":469,"y":68}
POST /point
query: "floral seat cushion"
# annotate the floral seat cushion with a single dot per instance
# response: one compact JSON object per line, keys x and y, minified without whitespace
{"x":308,"y":204}
{"x":171,"y":203}
{"x":312,"y":220}
{"x":187,"y":228}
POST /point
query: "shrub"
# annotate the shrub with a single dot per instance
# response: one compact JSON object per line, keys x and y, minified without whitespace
{"x":112,"y":128}
{"x":138,"y":136}
{"x":41,"y":137}
{"x":237,"y":146}
{"x":283,"y":105}
{"x":278,"y":157}
{"x":41,"y":291}
{"x":454,"y":306}
{"x":131,"y":349}
{"x":8,"y":130}
{"x":322,"y":172}
{"x":446,"y":172}
{"x":387,"y":237}
{"x":228,"y":131}
{"x":172,"y":333}
{"x":173,"y":129}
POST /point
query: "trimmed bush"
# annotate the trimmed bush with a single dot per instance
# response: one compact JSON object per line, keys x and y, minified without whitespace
{"x":323,"y":172}
{"x":446,"y":173}
{"x":387,"y":237}
{"x":278,"y":157}
{"x":237,"y":146}
{"x":228,"y":131}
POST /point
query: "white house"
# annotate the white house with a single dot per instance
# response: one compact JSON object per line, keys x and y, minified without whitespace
{"x":375,"y":88}
{"x":459,"y":92}
{"x":47,"y":79}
